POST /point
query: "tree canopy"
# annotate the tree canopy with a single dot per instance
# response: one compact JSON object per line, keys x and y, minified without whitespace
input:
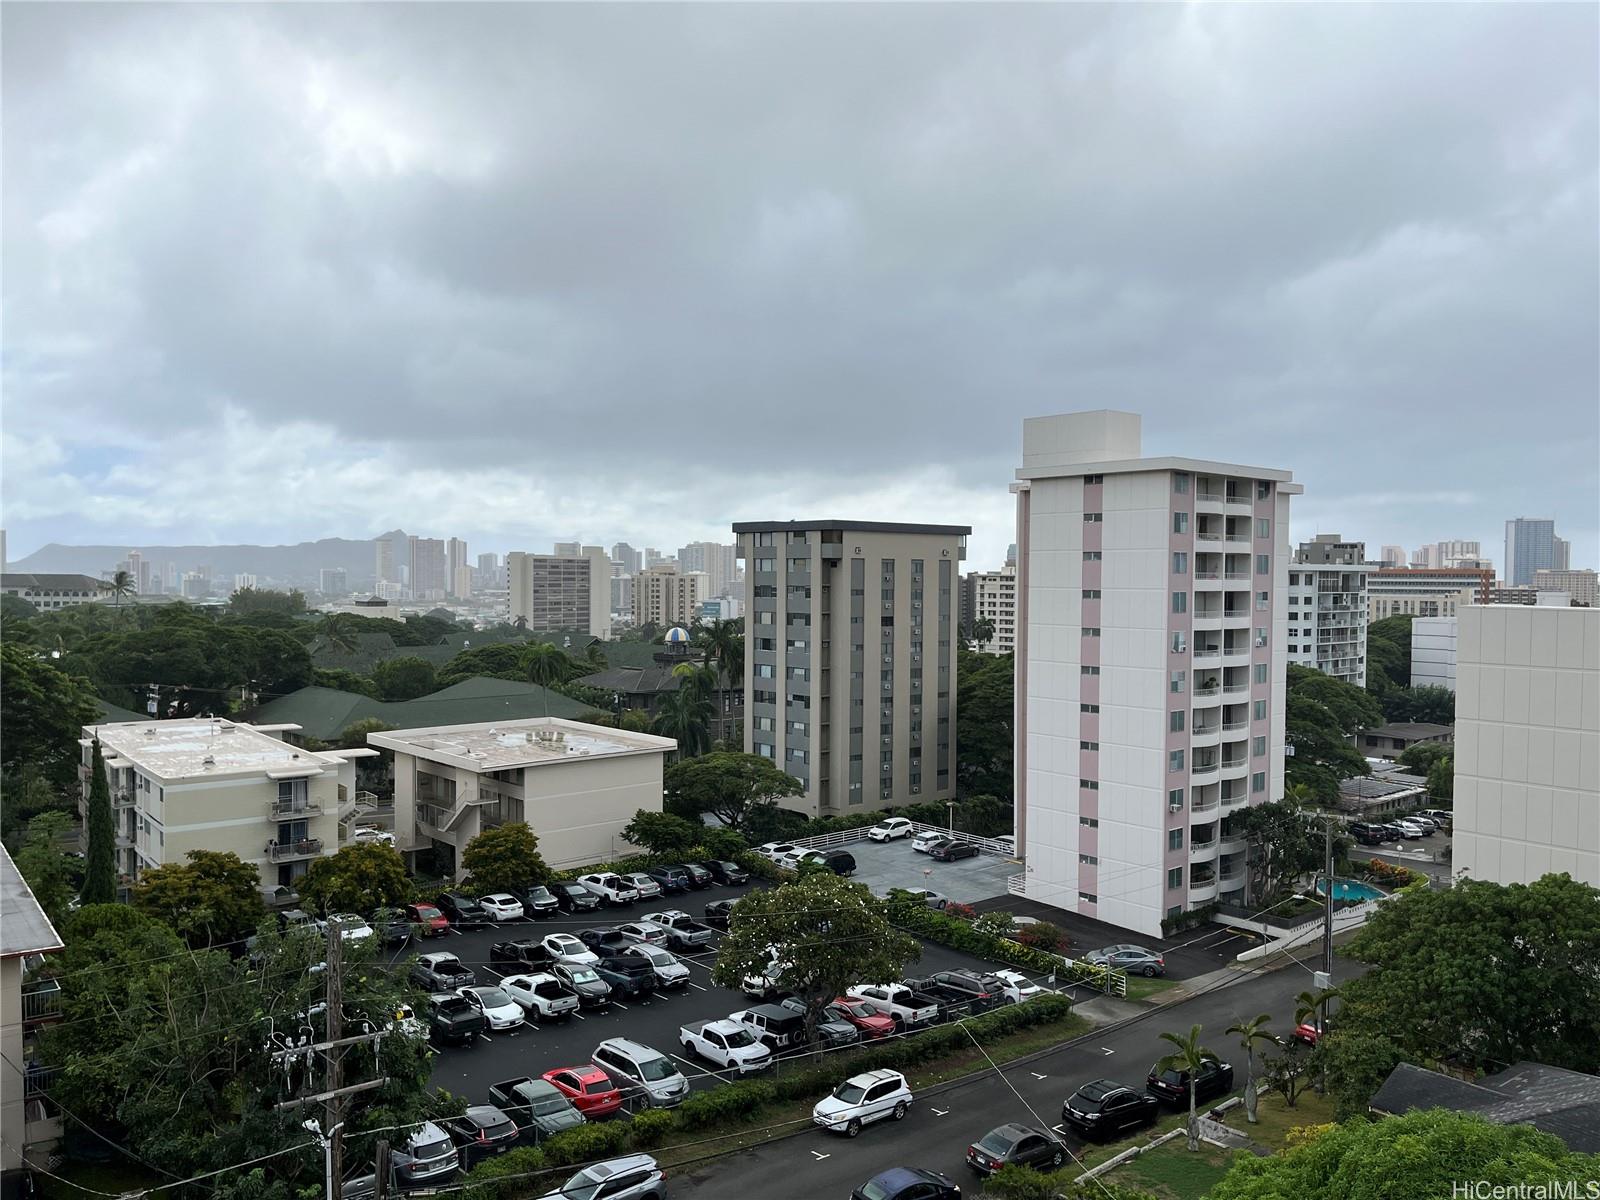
{"x":404,"y":678}
{"x":729,"y":785}
{"x":1389,"y":654}
{"x":663,"y":833}
{"x":213,"y":899}
{"x":361,"y":878}
{"x":985,"y":714}
{"x":1287,"y":843}
{"x":44,"y":864}
{"x":42,"y":713}
{"x":503,"y":858}
{"x":100,"y":866}
{"x":1321,"y":714}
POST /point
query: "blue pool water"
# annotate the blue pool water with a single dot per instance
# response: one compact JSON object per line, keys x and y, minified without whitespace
{"x":1350,"y":889}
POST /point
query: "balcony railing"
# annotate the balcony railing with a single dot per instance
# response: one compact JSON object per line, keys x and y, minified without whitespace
{"x":41,"y":1000}
{"x":1199,"y":653}
{"x":1230,"y":764}
{"x":1208,"y":574}
{"x":277,"y":851}
{"x":1236,"y":498}
{"x":1207,"y":691}
{"x":1238,"y":575}
{"x":1200,"y":768}
{"x":289,"y":809}
{"x":1235,"y":688}
{"x":36,"y":1080}
{"x":122,"y":798}
{"x":1234,"y":726}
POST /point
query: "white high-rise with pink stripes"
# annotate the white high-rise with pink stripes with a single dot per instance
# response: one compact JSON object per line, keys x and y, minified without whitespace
{"x":1151,"y":651}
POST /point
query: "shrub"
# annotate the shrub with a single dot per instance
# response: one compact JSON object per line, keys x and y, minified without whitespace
{"x":601,"y":1139}
{"x":1187,"y":919}
{"x":910,"y":914}
{"x":994,"y":924}
{"x":961,"y":912}
{"x":503,"y":1176}
{"x":651,"y":1127}
{"x":726,"y":1104}
{"x":1043,"y":936}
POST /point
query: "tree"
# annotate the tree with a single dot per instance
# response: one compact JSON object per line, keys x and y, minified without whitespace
{"x":362,"y":878}
{"x":15,"y":608}
{"x":404,"y":678}
{"x":45,"y":865}
{"x":733,"y":787}
{"x":985,"y":816}
{"x":504,"y":857}
{"x":1420,"y":756}
{"x":1313,"y":1007}
{"x":120,"y":584}
{"x":1286,"y":844}
{"x":833,"y":933}
{"x":1286,"y":1075}
{"x":249,"y":600}
{"x":503,"y":660}
{"x":213,"y":899}
{"x":1252,"y":1033}
{"x":1483,"y":973}
{"x":1389,"y":655}
{"x":1442,"y":780}
{"x":980,"y":632}
{"x":100,"y":869}
{"x":985,"y":714}
{"x":1321,"y":716}
{"x":722,"y":643}
{"x":1435,"y":705}
{"x":42,"y":712}
{"x":685,"y":715}
{"x":662,"y":833}
{"x":341,"y":632}
{"x":1419,"y":1154}
{"x":1190,"y":1057}
{"x":1356,"y":1065}
{"x":341,"y":680}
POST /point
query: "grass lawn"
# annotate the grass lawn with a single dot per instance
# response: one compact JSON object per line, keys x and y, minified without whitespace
{"x":1140,"y":988}
{"x":1274,"y":1119}
{"x":1173,"y":1173}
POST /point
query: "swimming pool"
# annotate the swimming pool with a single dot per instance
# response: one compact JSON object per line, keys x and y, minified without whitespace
{"x":1351,"y":889}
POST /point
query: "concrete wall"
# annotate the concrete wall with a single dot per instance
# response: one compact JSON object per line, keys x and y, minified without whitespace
{"x":1433,"y":652}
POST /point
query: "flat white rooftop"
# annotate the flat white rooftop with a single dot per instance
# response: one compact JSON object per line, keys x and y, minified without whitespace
{"x":205,"y":747}
{"x":505,"y":745}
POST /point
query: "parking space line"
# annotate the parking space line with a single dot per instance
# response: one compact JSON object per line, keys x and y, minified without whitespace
{"x":696,"y":986}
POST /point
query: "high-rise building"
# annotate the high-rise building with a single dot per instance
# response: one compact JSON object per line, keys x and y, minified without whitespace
{"x":385,"y":569}
{"x":1456,"y":552}
{"x":243,"y":581}
{"x":1582,"y":586}
{"x":1563,"y":555}
{"x":1327,"y":626}
{"x":1424,"y":591}
{"x":1530,"y":547}
{"x":994,"y":596}
{"x":629,"y":558}
{"x":622,"y":595}
{"x":170,"y":579}
{"x":1527,"y":801}
{"x":666,"y":596}
{"x":561,"y":592}
{"x":850,"y":661}
{"x":489,"y":565}
{"x":719,"y":562}
{"x":333,"y":581}
{"x":568,"y":549}
{"x":139,"y":571}
{"x":1152,"y":645}
{"x":1393,"y":556}
{"x":1426,"y":556}
{"x":429,"y":569}
{"x":652,"y":557}
{"x":458,"y":571}
{"x":461,"y":583}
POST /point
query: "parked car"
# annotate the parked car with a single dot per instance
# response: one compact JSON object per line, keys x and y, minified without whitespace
{"x":778,"y":1028}
{"x":868,"y":1022}
{"x":366,"y":835}
{"x":521,"y":953}
{"x":728,"y":874}
{"x":831,"y":1029}
{"x":718,"y":913}
{"x":1409,"y":829}
{"x":542,"y":997}
{"x":426,"y":1157}
{"x":462,"y":909}
{"x":1015,"y":1145}
{"x":538,"y":901}
{"x":393,"y":929}
{"x":925,"y":841}
{"x":440,"y":973}
{"x":635,"y":1177}
{"x":728,"y":1043}
{"x":863,"y":1099}
{"x":407,"y":1023}
{"x":1016,"y":986}
{"x":353,"y":928}
{"x":985,"y":990}
{"x":646,"y":932}
{"x":1307,"y":1033}
{"x":952,"y":851}
{"x":604,"y":940}
{"x":628,"y":975}
{"x":670,"y":973}
{"x":798,"y":857}
{"x":699,"y":876}
{"x":565,"y":948}
{"x":1104,"y":1109}
{"x":775,"y":850}
{"x":498,"y":1008}
{"x":840,"y":862}
{"x":1442,"y":817}
{"x":591,"y":1090}
{"x":907,"y":1183}
{"x":647,"y":888}
{"x":930,"y":898}
{"x":1367,"y":834}
{"x":890,"y":828}
{"x":906,"y":1008}
{"x":611,"y":889}
{"x":453,"y":1021}
{"x":537,"y":1105}
{"x":637,"y":1065}
{"x":1215,"y":1078}
{"x":1008,"y":844}
{"x":593,"y":992}
{"x":1135,"y":960}
{"x":670,"y":879}
{"x":683,"y":931}
{"x":954,"y":1000}
{"x":502,"y":906}
{"x":428,"y":920}
{"x":482,"y":1132}
{"x":574,"y":898}
{"x":1428,"y":824}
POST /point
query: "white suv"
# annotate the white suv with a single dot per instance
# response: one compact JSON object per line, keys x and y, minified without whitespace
{"x":925,"y":841}
{"x":863,"y":1099}
{"x":889,"y":829}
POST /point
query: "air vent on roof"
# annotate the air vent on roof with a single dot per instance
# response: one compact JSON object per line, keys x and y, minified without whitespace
{"x":208,"y":761}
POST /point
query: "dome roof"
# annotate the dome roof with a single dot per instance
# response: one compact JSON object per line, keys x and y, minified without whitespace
{"x":677,"y":636}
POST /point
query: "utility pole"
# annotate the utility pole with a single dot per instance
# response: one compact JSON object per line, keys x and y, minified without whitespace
{"x":335,"y":1052}
{"x":1327,"y":909}
{"x":380,"y":1187}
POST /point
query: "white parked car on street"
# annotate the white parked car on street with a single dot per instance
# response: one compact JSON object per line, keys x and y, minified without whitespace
{"x":925,"y":841}
{"x":499,"y":1009}
{"x":863,"y":1099}
{"x":647,"y":888}
{"x":502,"y":906}
{"x":352,"y":928}
{"x":1016,"y":987}
{"x":565,"y":948}
{"x":775,"y":850}
{"x":889,"y":829}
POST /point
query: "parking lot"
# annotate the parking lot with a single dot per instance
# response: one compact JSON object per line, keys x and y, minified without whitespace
{"x":531,"y":1050}
{"x":885,"y":865}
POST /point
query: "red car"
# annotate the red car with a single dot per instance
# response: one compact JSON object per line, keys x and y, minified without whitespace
{"x":430,"y":922}
{"x":1306,"y":1032}
{"x":871,"y":1024}
{"x":588,"y":1087}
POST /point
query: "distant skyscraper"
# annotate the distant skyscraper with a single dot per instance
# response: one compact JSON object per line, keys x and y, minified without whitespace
{"x":384,"y":568}
{"x":1393,"y":556}
{"x":1453,"y":553}
{"x":1426,"y":556}
{"x":652,"y":557}
{"x":333,"y":581}
{"x":429,"y":566}
{"x":1563,"y":555}
{"x":719,"y":562}
{"x":630,"y":558}
{"x":488,"y":564}
{"x":665,"y":596}
{"x":1530,"y":547}
{"x":240,"y":582}
{"x":171,"y":579}
{"x":455,"y":565}
{"x":551,"y":592}
{"x":569,"y":549}
{"x":140,"y":571}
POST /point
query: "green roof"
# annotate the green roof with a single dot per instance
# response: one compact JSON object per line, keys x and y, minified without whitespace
{"x":374,"y":648}
{"x":324,"y":713}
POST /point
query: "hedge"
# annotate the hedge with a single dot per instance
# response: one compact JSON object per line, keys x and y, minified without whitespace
{"x":916,"y":917}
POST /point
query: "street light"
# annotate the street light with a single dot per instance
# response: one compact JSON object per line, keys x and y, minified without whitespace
{"x":325,"y":1140}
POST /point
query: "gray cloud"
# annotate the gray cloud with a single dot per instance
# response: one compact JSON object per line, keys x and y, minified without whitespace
{"x":643,"y":270}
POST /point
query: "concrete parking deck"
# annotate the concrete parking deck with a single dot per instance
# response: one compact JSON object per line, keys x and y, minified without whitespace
{"x":885,"y":865}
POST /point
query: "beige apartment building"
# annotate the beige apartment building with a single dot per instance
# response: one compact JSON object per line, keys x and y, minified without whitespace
{"x":213,"y":784}
{"x":552,"y":592}
{"x":1582,"y":586}
{"x":665,"y":596}
{"x":850,"y":663}
{"x":574,"y":785}
{"x":1425,"y":591}
{"x":994,"y":595}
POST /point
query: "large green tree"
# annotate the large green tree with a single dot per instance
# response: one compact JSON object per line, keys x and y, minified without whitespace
{"x":686,"y":714}
{"x":503,"y":858}
{"x":213,"y":899}
{"x":42,"y":714}
{"x":1435,"y":705}
{"x":985,"y":716}
{"x":249,"y":600}
{"x":404,"y":678}
{"x":721,"y":644}
{"x":1321,"y":715}
{"x":100,"y":867}
{"x":1422,"y":1154}
{"x":1287,"y":842}
{"x":1356,"y":1065}
{"x":45,"y":865}
{"x":833,"y":934}
{"x":1389,"y":654}
{"x":361,"y":878}
{"x":733,"y":787}
{"x":1483,"y":973}
{"x":663,"y":833}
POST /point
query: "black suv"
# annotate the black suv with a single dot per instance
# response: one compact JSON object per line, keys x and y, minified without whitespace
{"x":454,"y":1020}
{"x":1104,"y":1109}
{"x":1366,"y":834}
{"x":574,"y":898}
{"x":699,"y":876}
{"x":727,"y":873}
{"x":1215,"y":1078}
{"x":717,"y":913}
{"x":627,"y":974}
{"x":524,"y":955}
{"x":462,"y":910}
{"x":483,"y":1130}
{"x":605,"y":941}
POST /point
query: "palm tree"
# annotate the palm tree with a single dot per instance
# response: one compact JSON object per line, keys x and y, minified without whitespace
{"x":1250,"y":1032}
{"x":722,"y":642}
{"x":1314,"y":1006}
{"x":596,"y":656}
{"x":981,"y":631}
{"x":547,"y":666}
{"x":119,"y":585}
{"x":339,"y":632}
{"x":519,"y":622}
{"x":1189,"y":1057}
{"x":685,"y":715}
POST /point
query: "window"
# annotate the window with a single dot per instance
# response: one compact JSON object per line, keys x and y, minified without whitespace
{"x":1263,"y":564}
{"x":1091,"y":631}
{"x":1089,"y":708}
{"x":764,"y":539}
{"x":1180,"y":483}
{"x":1174,"y":879}
{"x":1261,"y":636}
{"x":1089,"y":822}
{"x":1180,"y":563}
{"x":765,"y":671}
{"x":1177,"y":682}
{"x":1088,"y":745}
{"x":1093,"y":518}
{"x":1261,"y":710}
{"x":1089,"y":785}
{"x":1088,"y":860}
{"x":1088,"y":898}
{"x":1180,"y":602}
{"x":1088,"y":670}
{"x":1260,"y":670}
{"x":1180,"y":642}
{"x":1262,"y":600}
{"x":765,"y":617}
{"x":1091,"y":556}
{"x":1263,"y":489}
{"x":1092,"y":480}
{"x":1258,"y":746}
{"x":1175,"y":722}
{"x":1263,"y":527}
{"x":1258,"y":782}
{"x":1091,"y":593}
{"x":1174,"y":761}
{"x":766,"y":564}
{"x":1174,"y":839}
{"x":1180,"y":522}
{"x":1175,"y":798}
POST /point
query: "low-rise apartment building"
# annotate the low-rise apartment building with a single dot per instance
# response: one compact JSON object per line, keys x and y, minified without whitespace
{"x":1582,"y":586}
{"x":29,"y":1127}
{"x":575,"y":785}
{"x":50,"y":592}
{"x":214,"y":784}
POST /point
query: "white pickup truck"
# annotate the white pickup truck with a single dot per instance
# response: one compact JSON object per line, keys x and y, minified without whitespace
{"x":727,"y":1043}
{"x":683,"y":931}
{"x":611,"y":889}
{"x":906,"y":1008}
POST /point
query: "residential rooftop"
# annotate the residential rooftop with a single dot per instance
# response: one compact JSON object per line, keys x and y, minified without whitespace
{"x":845,"y":526}
{"x":505,"y":745}
{"x":200,"y":747}
{"x":1411,"y":729}
{"x":24,"y":929}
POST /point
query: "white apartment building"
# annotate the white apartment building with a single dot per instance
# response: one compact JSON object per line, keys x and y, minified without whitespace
{"x":1152,"y":646}
{"x":1527,"y":782}
{"x":50,"y":592}
{"x":575,"y":785}
{"x":994,"y":595}
{"x":213,"y":784}
{"x":1328,"y":608}
{"x":1425,"y":591}
{"x":719,"y":562}
{"x":1582,"y":586}
{"x":850,"y":658}
{"x":551,"y":592}
{"x":665,"y":596}
{"x":1433,"y":652}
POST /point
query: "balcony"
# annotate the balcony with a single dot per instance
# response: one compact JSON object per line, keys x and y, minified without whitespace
{"x":36,"y":1080}
{"x":1236,"y":689}
{"x":1236,"y":656}
{"x":1232,"y":844}
{"x":277,"y":851}
{"x":1202,"y":891}
{"x":1203,"y":852}
{"x":1207,"y":653}
{"x":1203,"y":768}
{"x":1238,"y":576}
{"x":1206,"y":735}
{"x":1243,"y":498}
{"x":122,"y":798}
{"x":1205,"y":804}
{"x":288,"y":810}
{"x":1209,"y":690}
{"x":41,"y":1000}
{"x":1235,"y":768}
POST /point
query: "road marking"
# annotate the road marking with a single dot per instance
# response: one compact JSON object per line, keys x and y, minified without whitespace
{"x":580,"y":1016}
{"x":940,"y":1112}
{"x":484,"y":1036}
{"x":1107,"y":1050}
{"x":696,"y":986}
{"x":819,"y":1156}
{"x":1036,"y":1075}
{"x":1058,"y":1128}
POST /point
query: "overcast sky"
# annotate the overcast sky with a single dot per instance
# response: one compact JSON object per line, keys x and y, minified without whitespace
{"x":612,"y":272}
